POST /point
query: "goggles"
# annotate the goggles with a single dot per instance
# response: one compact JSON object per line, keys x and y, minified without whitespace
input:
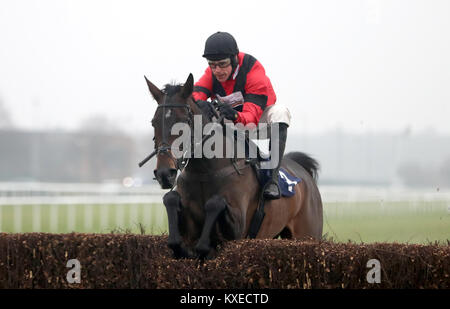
{"x":221,"y":63}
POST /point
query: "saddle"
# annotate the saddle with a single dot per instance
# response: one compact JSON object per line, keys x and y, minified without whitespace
{"x":286,"y":181}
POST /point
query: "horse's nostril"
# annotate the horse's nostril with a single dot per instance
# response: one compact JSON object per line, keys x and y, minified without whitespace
{"x":165,"y":176}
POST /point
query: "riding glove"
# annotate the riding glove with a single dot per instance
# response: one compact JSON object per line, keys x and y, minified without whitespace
{"x":227,"y":111}
{"x":206,"y":108}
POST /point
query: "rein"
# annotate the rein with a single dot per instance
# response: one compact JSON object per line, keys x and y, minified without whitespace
{"x":164,"y":147}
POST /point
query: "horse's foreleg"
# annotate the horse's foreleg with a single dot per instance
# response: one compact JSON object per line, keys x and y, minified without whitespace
{"x":213,"y":208}
{"x":232,"y":223}
{"x":172,"y":201}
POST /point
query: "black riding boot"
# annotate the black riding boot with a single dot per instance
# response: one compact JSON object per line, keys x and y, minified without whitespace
{"x":272,"y":190}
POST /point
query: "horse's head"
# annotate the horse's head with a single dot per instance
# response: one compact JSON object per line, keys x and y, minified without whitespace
{"x":175,"y":105}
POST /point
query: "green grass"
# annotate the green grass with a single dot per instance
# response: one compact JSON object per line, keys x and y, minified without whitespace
{"x":404,"y":222}
{"x":136,"y":218}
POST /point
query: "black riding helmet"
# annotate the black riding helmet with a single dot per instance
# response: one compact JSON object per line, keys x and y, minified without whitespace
{"x":221,"y":45}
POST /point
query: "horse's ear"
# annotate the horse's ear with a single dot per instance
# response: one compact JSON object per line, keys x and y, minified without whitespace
{"x":156,"y":93}
{"x":188,"y":87}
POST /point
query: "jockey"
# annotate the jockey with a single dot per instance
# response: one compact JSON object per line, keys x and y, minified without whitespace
{"x":239,"y":81}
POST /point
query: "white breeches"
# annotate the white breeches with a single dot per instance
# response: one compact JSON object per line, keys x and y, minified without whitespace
{"x":276,"y":113}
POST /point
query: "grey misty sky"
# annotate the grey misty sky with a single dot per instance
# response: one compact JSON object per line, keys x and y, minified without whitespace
{"x":362,"y":66}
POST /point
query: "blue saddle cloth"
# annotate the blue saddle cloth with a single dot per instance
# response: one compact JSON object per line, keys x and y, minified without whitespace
{"x":286,"y":181}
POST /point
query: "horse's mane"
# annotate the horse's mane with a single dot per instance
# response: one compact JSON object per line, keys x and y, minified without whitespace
{"x":172,"y":89}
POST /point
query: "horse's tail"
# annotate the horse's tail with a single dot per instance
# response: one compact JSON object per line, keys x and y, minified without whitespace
{"x":308,"y":163}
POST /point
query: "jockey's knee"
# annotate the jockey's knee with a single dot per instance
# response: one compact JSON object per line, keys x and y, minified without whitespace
{"x":279,"y":114}
{"x":276,"y":113}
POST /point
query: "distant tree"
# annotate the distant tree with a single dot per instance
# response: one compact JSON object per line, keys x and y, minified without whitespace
{"x":444,"y":172}
{"x":99,"y":124}
{"x":414,"y":174}
{"x":5,"y":119}
{"x":66,"y":156}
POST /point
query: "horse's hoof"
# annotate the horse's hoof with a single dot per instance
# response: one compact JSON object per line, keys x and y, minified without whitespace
{"x":179,"y":252}
{"x":202,"y":250}
{"x":175,"y":246}
{"x":174,"y":241}
{"x":176,"y":251}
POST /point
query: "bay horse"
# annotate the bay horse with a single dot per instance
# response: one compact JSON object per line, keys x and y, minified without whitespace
{"x":214,"y":199}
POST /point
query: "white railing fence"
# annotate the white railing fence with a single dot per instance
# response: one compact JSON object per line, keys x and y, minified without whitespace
{"x":98,"y":208}
{"x":102,"y":208}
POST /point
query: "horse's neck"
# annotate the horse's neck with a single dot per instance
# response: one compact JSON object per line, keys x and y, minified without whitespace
{"x":208,"y":165}
{"x":203,"y":164}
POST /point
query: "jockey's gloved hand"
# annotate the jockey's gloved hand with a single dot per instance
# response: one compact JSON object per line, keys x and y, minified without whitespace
{"x":206,"y":107}
{"x":227,"y":111}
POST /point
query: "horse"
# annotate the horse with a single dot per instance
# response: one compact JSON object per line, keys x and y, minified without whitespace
{"x":214,"y":199}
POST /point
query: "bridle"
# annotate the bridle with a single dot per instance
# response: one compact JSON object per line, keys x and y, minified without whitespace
{"x":164,"y":147}
{"x":181,"y":163}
